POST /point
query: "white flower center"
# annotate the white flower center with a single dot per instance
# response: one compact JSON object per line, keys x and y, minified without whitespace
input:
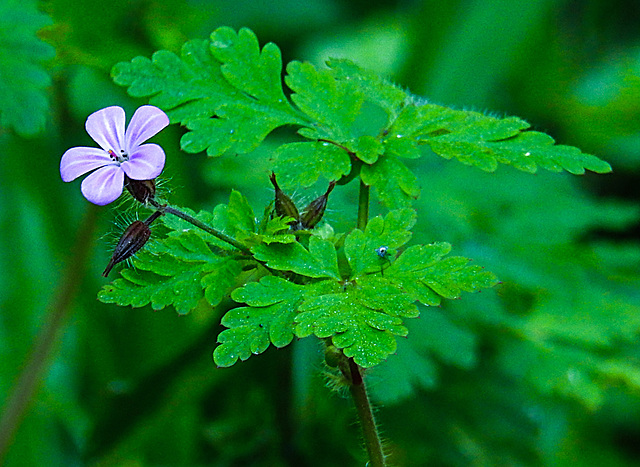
{"x":118,"y":158}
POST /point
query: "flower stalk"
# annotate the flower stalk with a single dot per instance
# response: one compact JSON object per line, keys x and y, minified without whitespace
{"x":166,"y":209}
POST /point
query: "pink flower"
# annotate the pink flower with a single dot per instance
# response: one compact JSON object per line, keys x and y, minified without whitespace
{"x":122,"y":152}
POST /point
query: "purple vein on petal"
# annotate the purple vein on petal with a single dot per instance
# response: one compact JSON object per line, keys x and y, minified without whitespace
{"x":146,"y":122}
{"x":106,"y":127}
{"x":80,"y":160}
{"x":146,"y":163}
{"x":104,"y":185}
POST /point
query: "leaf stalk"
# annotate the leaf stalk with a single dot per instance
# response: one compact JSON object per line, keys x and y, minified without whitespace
{"x":166,"y":209}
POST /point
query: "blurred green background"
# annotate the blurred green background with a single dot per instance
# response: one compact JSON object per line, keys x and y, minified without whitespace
{"x":543,"y":370}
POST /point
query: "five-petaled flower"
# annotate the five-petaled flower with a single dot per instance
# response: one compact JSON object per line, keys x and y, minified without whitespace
{"x":122,"y":152}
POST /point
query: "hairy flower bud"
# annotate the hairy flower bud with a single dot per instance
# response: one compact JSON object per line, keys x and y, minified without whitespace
{"x":313,"y":213}
{"x":142,"y":190}
{"x":284,"y":205}
{"x":134,"y":238}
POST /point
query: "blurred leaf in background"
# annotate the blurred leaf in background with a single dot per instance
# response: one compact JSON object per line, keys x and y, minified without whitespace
{"x":545,"y":371}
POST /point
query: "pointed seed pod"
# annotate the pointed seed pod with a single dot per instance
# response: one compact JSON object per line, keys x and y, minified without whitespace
{"x":313,"y":213}
{"x":142,"y":190}
{"x":134,"y":238}
{"x":284,"y":206}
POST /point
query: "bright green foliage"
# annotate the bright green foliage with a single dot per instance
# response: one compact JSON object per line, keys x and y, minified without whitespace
{"x":391,"y":232}
{"x":23,"y":99}
{"x":362,"y":321}
{"x":228,"y":92}
{"x":319,"y":260}
{"x":362,"y":314}
{"x":189,"y":264}
{"x":304,"y":157}
{"x":180,"y":270}
{"x":427,"y":276}
{"x":227,"y":77}
{"x":268,"y":319}
{"x":236,"y":219}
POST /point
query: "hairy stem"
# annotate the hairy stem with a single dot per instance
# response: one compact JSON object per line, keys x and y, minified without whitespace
{"x":201,"y":225}
{"x":27,"y":384}
{"x":363,"y":206}
{"x":356,"y":383}
{"x":365,"y":414}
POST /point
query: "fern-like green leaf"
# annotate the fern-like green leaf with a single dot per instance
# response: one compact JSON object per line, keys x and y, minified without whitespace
{"x":226,"y":91}
{"x":485,"y":141}
{"x":426,"y":275}
{"x":235,"y":218}
{"x":390,"y":232}
{"x":333,"y":105}
{"x":301,"y":163}
{"x":269,"y":319}
{"x":363,"y":320}
{"x":320,"y":260}
{"x":180,"y":270}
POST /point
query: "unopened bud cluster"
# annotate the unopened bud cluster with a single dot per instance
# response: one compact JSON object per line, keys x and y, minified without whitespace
{"x":310,"y":216}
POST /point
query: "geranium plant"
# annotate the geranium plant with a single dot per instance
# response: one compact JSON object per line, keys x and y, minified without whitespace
{"x":289,"y":272}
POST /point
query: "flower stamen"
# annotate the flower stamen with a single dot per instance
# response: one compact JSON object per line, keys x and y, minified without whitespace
{"x":122,"y":157}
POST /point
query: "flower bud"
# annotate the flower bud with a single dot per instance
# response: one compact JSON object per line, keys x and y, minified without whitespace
{"x":314,"y":212}
{"x":284,"y":205}
{"x":134,"y":238}
{"x":142,"y":190}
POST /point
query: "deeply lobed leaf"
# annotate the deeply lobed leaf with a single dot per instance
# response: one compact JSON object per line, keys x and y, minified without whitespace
{"x":390,"y":232}
{"x":180,"y":270}
{"x":320,"y":260}
{"x":225,"y":90}
{"x":356,"y":322}
{"x":424,"y":273}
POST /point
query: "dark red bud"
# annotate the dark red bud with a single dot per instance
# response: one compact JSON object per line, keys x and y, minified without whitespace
{"x":284,"y":205}
{"x":134,"y":238}
{"x":142,"y":190}
{"x":313,"y":213}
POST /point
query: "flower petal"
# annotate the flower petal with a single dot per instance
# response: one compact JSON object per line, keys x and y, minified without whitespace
{"x":146,"y":122}
{"x":146,"y":163}
{"x":104,"y":185}
{"x":106,"y":127}
{"x":80,"y":160}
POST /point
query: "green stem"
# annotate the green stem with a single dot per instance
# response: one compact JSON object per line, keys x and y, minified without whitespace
{"x":365,"y":414}
{"x":356,"y":383}
{"x":201,"y":225}
{"x":363,"y":206}
{"x":26,"y":386}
